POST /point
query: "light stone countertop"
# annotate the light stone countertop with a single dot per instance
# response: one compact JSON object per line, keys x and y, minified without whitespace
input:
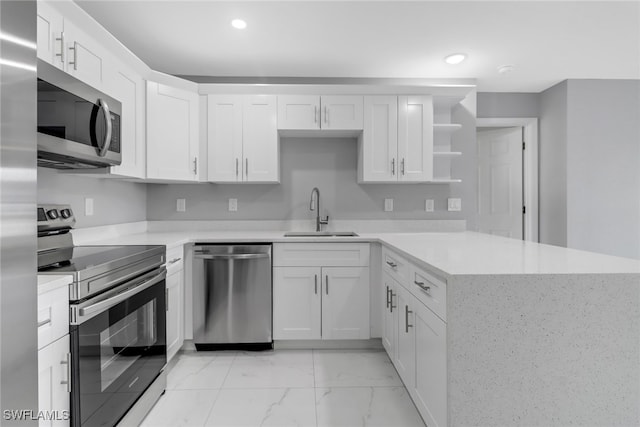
{"x":451,"y":253}
{"x":49,"y":282}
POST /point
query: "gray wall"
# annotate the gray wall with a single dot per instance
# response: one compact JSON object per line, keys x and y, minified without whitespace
{"x":603,"y":166}
{"x":114,"y":201}
{"x":499,"y":104}
{"x":553,"y":165}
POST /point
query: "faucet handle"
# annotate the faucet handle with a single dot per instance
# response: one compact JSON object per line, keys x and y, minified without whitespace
{"x":324,"y":220}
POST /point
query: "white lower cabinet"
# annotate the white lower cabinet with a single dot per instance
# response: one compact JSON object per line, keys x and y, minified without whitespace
{"x":174,"y":302}
{"x":328,"y":300}
{"x":414,"y":336}
{"x":54,"y":375}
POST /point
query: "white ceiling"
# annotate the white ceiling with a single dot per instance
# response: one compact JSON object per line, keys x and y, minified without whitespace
{"x":547,"y":41}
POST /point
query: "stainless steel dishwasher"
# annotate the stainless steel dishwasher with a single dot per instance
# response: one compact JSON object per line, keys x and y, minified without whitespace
{"x":232,"y":297}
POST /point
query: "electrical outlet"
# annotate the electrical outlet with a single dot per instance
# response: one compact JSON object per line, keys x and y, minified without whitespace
{"x":181,"y":205}
{"x":388,"y":205}
{"x":454,"y":204}
{"x":233,"y":205}
{"x":88,"y":206}
{"x":428,"y":205}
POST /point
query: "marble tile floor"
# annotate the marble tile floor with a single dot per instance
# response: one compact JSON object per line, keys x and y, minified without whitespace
{"x":284,"y":388}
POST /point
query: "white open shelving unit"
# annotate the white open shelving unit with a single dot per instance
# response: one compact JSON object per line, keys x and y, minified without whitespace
{"x":443,"y":129}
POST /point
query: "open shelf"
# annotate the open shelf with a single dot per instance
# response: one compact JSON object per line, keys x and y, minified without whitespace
{"x":446,"y":127}
{"x":447,"y":153}
{"x":444,"y":181}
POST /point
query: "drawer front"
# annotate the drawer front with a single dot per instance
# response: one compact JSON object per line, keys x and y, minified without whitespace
{"x":395,"y":265}
{"x":53,"y":315}
{"x":430,"y":289}
{"x":320,"y":254}
{"x":175,"y":259}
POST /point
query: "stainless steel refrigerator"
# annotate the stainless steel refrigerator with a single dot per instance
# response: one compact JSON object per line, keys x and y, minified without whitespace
{"x":18,"y":197}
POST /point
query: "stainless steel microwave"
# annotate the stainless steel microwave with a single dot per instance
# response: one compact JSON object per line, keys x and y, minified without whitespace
{"x":78,"y":126}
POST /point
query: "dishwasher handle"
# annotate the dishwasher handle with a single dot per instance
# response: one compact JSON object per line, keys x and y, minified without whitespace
{"x":205,"y":255}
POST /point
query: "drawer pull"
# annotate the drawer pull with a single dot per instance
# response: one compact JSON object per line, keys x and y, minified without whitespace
{"x":44,"y":322}
{"x":316,"y":284}
{"x":425,"y":288}
{"x":173,"y":261}
{"x":392,"y":264}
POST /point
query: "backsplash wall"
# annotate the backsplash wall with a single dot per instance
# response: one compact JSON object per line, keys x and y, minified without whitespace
{"x":331,"y":165}
{"x":115,"y":201}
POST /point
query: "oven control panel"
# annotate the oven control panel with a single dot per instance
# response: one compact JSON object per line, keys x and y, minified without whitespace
{"x":55,"y":217}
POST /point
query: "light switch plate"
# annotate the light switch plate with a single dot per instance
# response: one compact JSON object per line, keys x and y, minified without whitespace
{"x":388,"y":205}
{"x":454,"y":204}
{"x":181,"y":205}
{"x":233,"y":205}
{"x":428,"y":205}
{"x":88,"y":206}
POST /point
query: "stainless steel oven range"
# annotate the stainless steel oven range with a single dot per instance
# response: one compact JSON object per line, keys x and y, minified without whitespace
{"x":117,"y":321}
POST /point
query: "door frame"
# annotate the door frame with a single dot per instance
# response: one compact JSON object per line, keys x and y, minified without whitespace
{"x":529,"y":167}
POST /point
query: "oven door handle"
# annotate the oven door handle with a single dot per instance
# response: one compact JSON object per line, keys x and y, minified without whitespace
{"x":204,"y":255}
{"x":103,"y":305}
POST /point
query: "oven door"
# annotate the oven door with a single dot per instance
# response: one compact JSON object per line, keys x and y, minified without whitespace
{"x":118,"y":347}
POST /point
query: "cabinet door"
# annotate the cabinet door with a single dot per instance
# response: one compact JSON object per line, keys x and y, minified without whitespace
{"x":175,"y":316}
{"x":389,"y":316}
{"x":224,"y":138}
{"x":128,"y":87}
{"x":405,"y":360}
{"x":172,"y":133}
{"x":84,"y":57}
{"x":53,"y":375}
{"x":341,"y":112}
{"x":345,"y":303}
{"x":260,"y":139}
{"x":296,"y":303}
{"x":430,"y":389}
{"x":298,"y":112}
{"x":50,"y":41}
{"x":379,"y":143}
{"x":415,"y":138}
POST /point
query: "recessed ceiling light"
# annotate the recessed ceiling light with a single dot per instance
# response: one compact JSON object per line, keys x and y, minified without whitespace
{"x":456,"y":58}
{"x":504,"y":69}
{"x":239,"y":24}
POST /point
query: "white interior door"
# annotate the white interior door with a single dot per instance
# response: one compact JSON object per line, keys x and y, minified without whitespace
{"x":500,"y":181}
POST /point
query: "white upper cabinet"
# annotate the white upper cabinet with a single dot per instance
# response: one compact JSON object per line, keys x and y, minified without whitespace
{"x":64,"y":44}
{"x":50,"y":39}
{"x":309,"y":112}
{"x":172,"y":133}
{"x":379,"y":140}
{"x":242,"y":138}
{"x":415,"y":138}
{"x":128,"y":87}
{"x":396,"y":144}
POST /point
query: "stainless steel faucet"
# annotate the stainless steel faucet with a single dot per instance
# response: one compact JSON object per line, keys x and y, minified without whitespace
{"x":319,"y":220}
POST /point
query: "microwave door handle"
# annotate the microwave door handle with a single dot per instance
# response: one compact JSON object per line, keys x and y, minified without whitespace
{"x":107,"y":118}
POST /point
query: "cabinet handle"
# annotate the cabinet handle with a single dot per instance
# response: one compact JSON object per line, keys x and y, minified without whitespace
{"x":316,"y":284}
{"x":391,"y":307}
{"x":393,"y":166}
{"x":427,"y":289}
{"x":75,"y":56}
{"x":246,"y":167}
{"x":173,"y":261}
{"x":315,"y":114}
{"x":326,"y":278}
{"x":392,"y":264}
{"x":61,"y":40}
{"x":195,"y":166}
{"x":406,"y":319}
{"x":402,"y":166}
{"x":387,"y":296}
{"x":326,"y":116}
{"x":236,"y":167}
{"x":67,"y":362}
{"x":166,"y":299}
{"x":44,"y":322}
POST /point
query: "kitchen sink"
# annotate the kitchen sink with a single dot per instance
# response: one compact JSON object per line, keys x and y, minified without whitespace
{"x":320,"y":234}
